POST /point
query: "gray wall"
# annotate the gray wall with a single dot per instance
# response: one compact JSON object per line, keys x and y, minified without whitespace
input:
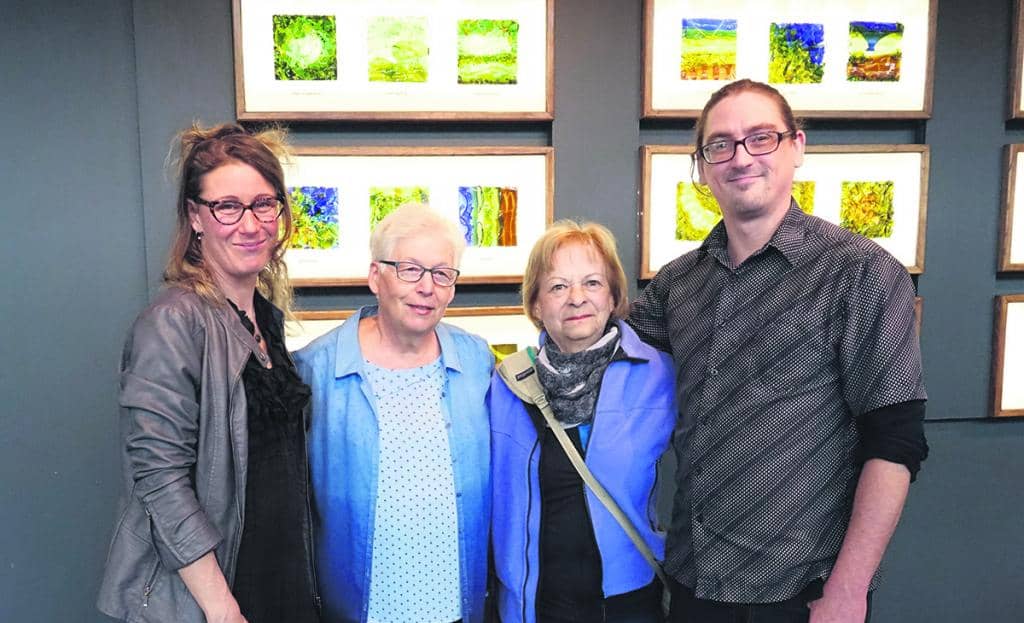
{"x":89,"y":101}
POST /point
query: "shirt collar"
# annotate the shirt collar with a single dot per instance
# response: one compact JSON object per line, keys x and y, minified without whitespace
{"x":349,"y":357}
{"x":788,"y":238}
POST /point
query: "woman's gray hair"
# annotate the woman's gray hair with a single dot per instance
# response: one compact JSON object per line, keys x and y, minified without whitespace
{"x":413,"y":220}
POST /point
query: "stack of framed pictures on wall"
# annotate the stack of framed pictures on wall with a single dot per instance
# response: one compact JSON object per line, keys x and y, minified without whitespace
{"x":430,"y":60}
{"x":1008,"y":328}
{"x":1008,"y":332}
{"x":866,"y":60}
{"x":404,"y":61}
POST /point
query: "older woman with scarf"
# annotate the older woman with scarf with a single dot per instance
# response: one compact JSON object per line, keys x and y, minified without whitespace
{"x":559,"y":555}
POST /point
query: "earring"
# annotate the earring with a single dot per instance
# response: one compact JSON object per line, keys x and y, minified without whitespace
{"x":199,"y":236}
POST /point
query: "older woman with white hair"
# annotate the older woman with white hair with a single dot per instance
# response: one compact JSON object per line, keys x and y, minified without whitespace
{"x":399,"y":440}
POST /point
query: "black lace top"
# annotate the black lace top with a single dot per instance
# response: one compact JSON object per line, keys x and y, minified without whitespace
{"x":273,"y":576}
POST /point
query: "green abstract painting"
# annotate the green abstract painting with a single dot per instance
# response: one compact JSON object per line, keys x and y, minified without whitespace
{"x":803,"y":193}
{"x":796,"y":53}
{"x":697,"y":211}
{"x":398,"y":49}
{"x":385,"y":199}
{"x":305,"y":47}
{"x":488,"y":51}
{"x":314,"y":217}
{"x":487,"y":215}
{"x":866,"y":208}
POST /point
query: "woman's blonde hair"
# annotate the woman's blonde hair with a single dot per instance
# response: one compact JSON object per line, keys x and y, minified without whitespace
{"x":201,"y":150}
{"x":592,"y":235}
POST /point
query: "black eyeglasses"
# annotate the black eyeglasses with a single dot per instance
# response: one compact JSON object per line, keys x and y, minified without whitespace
{"x":413,"y":272}
{"x":228,"y":212}
{"x":724,"y":150}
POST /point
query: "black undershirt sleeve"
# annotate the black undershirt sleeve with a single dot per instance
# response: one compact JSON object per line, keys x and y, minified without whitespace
{"x":895,"y":433}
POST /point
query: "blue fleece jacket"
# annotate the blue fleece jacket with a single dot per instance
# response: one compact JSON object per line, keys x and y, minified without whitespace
{"x":633,"y":422}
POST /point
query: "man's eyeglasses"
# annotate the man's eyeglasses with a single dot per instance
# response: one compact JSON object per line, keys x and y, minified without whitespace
{"x":229,"y":212}
{"x":724,"y":150}
{"x":413,"y":272}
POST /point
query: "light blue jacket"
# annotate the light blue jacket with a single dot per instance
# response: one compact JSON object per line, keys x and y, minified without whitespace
{"x":344,"y":454}
{"x":633,"y":422}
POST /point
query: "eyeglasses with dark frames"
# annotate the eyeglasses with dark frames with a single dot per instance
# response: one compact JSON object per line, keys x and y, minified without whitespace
{"x":265,"y":208}
{"x":413,"y":272}
{"x":759,"y":144}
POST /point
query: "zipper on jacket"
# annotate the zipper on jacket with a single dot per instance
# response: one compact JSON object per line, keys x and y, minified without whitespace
{"x":147,"y":589}
{"x":529,"y":510}
{"x":652,"y":508}
{"x":586,"y":500}
{"x":229,"y":565}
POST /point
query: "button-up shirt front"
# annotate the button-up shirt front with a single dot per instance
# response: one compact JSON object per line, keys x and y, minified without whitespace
{"x":776,"y":359}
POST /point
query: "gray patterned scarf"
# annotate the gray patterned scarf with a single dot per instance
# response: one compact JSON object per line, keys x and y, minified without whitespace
{"x":571,"y":380}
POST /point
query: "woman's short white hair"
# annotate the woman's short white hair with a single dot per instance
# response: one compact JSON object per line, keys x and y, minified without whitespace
{"x":415,"y":220}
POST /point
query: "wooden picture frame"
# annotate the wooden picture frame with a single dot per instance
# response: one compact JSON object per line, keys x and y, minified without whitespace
{"x":505,"y":328}
{"x":350,"y":188}
{"x":821,"y":56}
{"x":1008,"y":356}
{"x":1017,"y":63}
{"x":374,"y":60}
{"x":1011,"y":234}
{"x":675,"y":215}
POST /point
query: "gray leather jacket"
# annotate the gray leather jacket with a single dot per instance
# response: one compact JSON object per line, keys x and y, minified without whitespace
{"x":185,"y":438}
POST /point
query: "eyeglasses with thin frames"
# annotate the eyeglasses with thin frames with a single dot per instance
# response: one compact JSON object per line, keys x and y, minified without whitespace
{"x":759,"y":144}
{"x":412,"y":272}
{"x":265,"y":208}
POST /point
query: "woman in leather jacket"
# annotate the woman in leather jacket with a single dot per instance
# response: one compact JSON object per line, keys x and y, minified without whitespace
{"x":213,"y":522}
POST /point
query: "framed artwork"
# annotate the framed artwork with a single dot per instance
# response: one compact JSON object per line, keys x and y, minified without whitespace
{"x":1011,"y":251}
{"x":312,"y":60}
{"x":1008,"y":356}
{"x":506,"y":329}
{"x":864,"y":59}
{"x":879,"y":191}
{"x":501,"y":198}
{"x":1017,"y":63}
